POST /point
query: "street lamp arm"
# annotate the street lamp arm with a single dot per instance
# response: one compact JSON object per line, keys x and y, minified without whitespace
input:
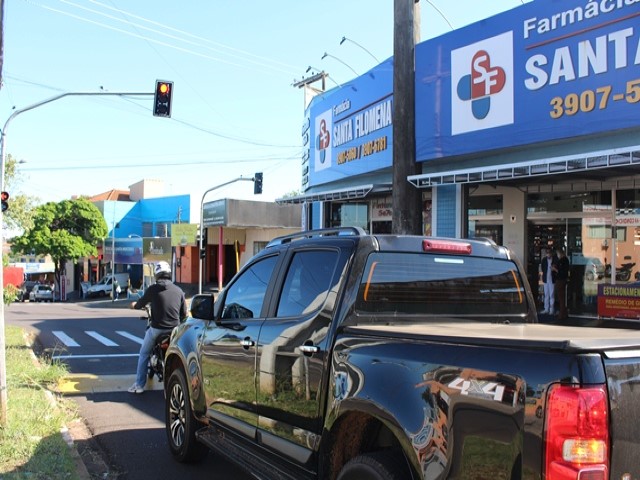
{"x":44,"y":102}
{"x":345,"y":39}
{"x":3,"y":134}
{"x":336,"y":58}
{"x":239,"y":179}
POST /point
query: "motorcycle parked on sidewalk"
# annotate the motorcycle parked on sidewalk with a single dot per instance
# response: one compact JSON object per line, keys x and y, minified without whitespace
{"x":156,"y":360}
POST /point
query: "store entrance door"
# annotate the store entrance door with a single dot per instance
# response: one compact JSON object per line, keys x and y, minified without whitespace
{"x":565,"y":233}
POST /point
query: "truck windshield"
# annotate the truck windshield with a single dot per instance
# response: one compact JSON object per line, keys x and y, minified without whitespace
{"x":407,"y":283}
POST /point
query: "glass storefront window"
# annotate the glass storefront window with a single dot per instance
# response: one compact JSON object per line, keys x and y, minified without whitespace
{"x":566,"y":202}
{"x":597,"y":241}
{"x":349,"y":215}
{"x":485,"y":217}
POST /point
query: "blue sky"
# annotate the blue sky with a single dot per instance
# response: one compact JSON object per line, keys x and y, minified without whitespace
{"x":235,"y":110}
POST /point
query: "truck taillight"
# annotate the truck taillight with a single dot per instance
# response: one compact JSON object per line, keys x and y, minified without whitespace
{"x":577,"y":433}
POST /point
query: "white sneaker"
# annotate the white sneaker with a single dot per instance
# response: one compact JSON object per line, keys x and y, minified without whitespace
{"x":135,"y":389}
{"x":543,"y":312}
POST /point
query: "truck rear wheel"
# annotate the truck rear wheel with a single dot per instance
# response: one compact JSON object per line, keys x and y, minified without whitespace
{"x":386,"y":465}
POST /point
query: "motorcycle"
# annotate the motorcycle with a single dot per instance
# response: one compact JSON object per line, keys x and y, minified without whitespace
{"x":623,"y":273}
{"x":156,"y":360}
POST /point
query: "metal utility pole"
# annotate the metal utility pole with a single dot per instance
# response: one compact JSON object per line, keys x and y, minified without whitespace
{"x":200,"y":245}
{"x":3,"y":140}
{"x":406,"y":200}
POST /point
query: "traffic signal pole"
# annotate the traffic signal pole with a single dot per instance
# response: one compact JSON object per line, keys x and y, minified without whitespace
{"x":3,"y":141}
{"x":257,"y":179}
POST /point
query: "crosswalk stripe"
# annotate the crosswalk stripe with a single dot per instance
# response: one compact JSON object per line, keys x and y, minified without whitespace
{"x":66,"y":339}
{"x":129,"y":336}
{"x":101,"y":339}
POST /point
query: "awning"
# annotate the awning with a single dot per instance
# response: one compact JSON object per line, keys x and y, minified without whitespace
{"x":350,"y":193}
{"x":617,"y":163}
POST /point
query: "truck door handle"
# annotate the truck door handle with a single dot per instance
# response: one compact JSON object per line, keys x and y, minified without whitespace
{"x":309,"y":349}
{"x":247,"y":343}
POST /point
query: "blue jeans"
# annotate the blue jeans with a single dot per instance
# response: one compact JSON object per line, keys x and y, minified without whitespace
{"x":145,"y":353}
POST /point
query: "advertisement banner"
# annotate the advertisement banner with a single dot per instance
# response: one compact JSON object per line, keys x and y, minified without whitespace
{"x":128,"y":251}
{"x":184,"y":234}
{"x":351,"y":131}
{"x":545,"y":71}
{"x":156,"y":249}
{"x":619,"y":301}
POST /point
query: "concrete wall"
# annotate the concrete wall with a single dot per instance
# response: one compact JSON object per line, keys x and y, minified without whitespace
{"x":148,"y":188}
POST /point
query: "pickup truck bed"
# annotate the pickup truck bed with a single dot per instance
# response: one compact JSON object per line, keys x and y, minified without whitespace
{"x":534,"y":336}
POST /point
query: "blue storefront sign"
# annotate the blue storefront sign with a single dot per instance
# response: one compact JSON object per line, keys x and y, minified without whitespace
{"x":351,"y":129}
{"x":548,"y":70}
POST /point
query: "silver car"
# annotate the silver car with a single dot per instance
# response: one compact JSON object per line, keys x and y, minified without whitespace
{"x":41,"y":293}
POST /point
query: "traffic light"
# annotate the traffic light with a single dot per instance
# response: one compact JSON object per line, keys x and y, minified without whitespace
{"x":257,"y":183}
{"x":162,"y":99}
{"x":5,"y":201}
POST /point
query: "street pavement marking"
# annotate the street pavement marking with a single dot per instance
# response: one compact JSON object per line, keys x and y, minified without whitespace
{"x":101,"y":339}
{"x":66,"y":339}
{"x":129,"y":336}
{"x":98,"y":355}
{"x":89,"y":383}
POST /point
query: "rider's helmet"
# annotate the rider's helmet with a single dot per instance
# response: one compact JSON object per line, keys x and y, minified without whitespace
{"x":162,"y":270}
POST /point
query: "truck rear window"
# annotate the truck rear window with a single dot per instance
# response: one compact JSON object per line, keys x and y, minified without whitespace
{"x":407,"y":283}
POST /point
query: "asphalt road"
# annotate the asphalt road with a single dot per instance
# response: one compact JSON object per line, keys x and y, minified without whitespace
{"x":127,"y":431}
{"x":122,"y":436}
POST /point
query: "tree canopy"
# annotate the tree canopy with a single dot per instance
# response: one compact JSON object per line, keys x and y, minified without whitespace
{"x":67,"y":230}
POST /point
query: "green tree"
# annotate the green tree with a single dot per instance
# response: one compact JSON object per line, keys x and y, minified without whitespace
{"x":68,"y":230}
{"x":19,"y":216}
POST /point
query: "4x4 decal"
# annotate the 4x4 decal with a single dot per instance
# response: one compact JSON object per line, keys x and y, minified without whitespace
{"x":479,"y":388}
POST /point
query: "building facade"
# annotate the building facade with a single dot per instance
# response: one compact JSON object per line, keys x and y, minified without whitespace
{"x":527,"y":132}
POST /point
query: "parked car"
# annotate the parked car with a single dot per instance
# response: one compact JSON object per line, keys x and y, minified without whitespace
{"x":25,"y":290}
{"x":41,"y":293}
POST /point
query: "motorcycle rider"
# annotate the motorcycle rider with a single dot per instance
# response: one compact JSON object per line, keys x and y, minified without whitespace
{"x":168,"y":308}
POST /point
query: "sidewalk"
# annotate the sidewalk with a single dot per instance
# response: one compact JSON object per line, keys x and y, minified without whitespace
{"x":124,"y":301}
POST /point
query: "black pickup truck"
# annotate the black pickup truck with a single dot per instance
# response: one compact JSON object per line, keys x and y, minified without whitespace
{"x":334,"y":354}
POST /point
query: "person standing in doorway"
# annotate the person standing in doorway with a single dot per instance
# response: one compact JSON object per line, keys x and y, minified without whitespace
{"x":549,"y":266}
{"x":562,"y":278}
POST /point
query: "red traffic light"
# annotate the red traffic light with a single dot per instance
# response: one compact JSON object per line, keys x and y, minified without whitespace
{"x":5,"y":204}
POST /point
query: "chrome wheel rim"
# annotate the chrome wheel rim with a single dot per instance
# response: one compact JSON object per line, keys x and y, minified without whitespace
{"x":177,"y":415}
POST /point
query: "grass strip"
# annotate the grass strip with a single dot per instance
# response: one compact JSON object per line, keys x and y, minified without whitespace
{"x":31,"y":445}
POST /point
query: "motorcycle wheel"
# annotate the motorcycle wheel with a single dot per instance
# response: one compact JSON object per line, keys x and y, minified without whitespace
{"x":624,"y":276}
{"x":181,"y":424}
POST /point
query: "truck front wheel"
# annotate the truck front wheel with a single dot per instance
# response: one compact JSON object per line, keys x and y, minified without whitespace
{"x":181,"y":424}
{"x":386,"y":465}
